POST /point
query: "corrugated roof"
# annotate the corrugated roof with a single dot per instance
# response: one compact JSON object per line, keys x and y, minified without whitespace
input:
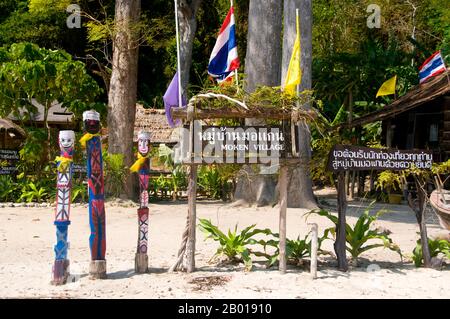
{"x":56,"y":115}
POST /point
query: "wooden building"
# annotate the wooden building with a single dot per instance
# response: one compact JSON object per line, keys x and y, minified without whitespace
{"x":58,"y":117}
{"x":420,"y":119}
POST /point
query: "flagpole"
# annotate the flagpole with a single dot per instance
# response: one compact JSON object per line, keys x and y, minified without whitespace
{"x":297,"y":17}
{"x":236,"y":71}
{"x":178,"y":55}
{"x":446,"y":70}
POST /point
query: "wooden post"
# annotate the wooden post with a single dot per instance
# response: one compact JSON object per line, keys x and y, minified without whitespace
{"x":62,"y":210}
{"x":314,"y":248}
{"x":142,"y":167}
{"x":340,"y":244}
{"x":283,"y":205}
{"x":192,"y":194}
{"x":418,"y":206}
{"x":97,"y":219}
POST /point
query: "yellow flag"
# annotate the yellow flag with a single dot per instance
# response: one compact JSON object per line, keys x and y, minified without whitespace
{"x":388,"y":87}
{"x":294,"y":73}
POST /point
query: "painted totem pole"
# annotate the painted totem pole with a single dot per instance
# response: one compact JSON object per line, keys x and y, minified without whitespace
{"x":142,"y":167}
{"x":97,"y":240}
{"x":62,"y":212}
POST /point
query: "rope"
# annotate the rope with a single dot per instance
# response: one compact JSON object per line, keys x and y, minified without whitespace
{"x":182,"y":249}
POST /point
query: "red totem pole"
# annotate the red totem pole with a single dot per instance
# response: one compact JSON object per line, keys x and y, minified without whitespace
{"x":97,"y":241}
{"x":142,"y":167}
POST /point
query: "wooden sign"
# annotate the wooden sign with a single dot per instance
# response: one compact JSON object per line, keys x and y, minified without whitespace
{"x":9,"y":155}
{"x":8,"y":170}
{"x":77,"y":168}
{"x":235,"y":144}
{"x":8,"y":159}
{"x":358,"y":158}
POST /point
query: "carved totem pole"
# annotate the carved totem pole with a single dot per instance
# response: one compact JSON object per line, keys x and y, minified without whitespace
{"x":142,"y":167}
{"x":62,"y":212}
{"x":97,"y":240}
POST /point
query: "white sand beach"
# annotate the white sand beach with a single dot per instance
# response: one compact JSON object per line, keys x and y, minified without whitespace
{"x":27,"y":236}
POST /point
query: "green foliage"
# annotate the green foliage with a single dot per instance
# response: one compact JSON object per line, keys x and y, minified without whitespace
{"x":436,"y":246}
{"x":79,"y":192}
{"x":389,"y":180}
{"x":209,"y":181}
{"x":217,"y":181}
{"x":233,"y":245}
{"x":32,"y":152}
{"x":357,"y":237}
{"x":296,"y":249}
{"x":115,"y":173}
{"x":7,"y":188}
{"x":41,"y":6}
{"x":30,"y":72}
{"x":33,"y":192}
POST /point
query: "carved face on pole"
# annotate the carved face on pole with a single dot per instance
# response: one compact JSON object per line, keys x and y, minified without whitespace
{"x":143,"y":143}
{"x":66,"y":140}
{"x":91,"y":122}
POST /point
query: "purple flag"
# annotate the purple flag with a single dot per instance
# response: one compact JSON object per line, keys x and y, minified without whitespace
{"x":171,"y":99}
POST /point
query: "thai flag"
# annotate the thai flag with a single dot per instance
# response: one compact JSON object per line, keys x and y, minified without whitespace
{"x":224,"y":57}
{"x":433,"y":66}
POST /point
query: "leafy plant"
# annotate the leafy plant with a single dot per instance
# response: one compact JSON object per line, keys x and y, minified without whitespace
{"x":179,"y":180}
{"x":389,"y":181}
{"x":79,"y":191}
{"x":233,"y":245}
{"x":115,"y":173}
{"x":7,"y":188}
{"x":209,"y":181}
{"x":296,"y":250}
{"x":32,"y":192}
{"x":437,"y":247}
{"x":357,"y":237}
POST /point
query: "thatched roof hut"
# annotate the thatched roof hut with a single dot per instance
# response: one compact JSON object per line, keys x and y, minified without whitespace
{"x":155,"y":122}
{"x":11,"y":135}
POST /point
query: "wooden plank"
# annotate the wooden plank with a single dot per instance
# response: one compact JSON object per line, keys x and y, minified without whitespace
{"x":314,"y":248}
{"x":283,"y":181}
{"x":446,"y":135}
{"x":192,"y":194}
{"x":340,"y":243}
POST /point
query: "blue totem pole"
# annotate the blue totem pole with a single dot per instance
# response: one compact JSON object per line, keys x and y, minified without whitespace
{"x":97,"y":240}
{"x":62,"y":215}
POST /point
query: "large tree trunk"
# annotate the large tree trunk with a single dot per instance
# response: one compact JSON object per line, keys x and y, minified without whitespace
{"x":123,"y":86}
{"x":262,"y":67}
{"x":187,"y":12}
{"x":300,"y":192}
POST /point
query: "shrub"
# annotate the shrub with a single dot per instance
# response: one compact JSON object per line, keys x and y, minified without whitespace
{"x":233,"y":245}
{"x":437,"y":247}
{"x":115,"y":173}
{"x":296,"y":250}
{"x":357,"y":237}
